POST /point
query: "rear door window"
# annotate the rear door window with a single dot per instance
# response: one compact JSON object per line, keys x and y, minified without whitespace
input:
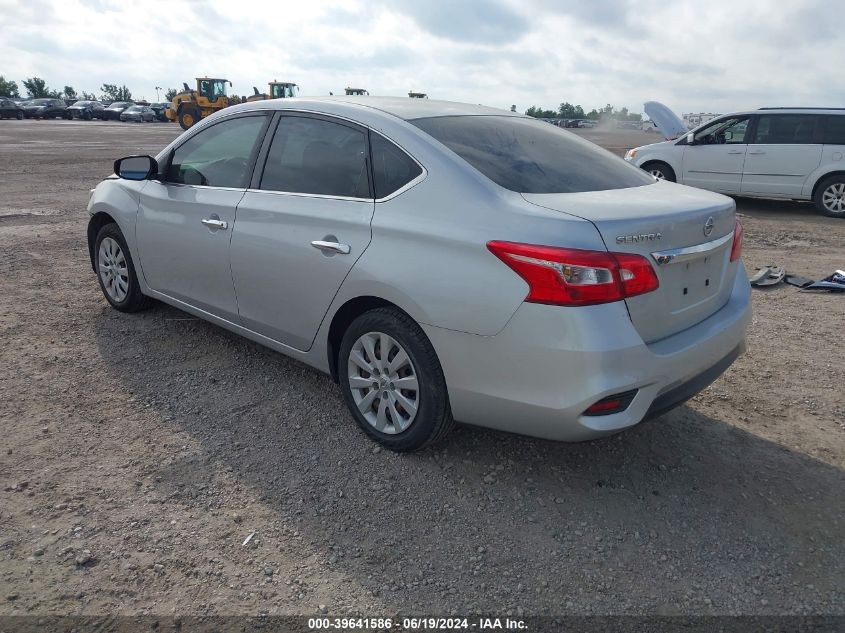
{"x":785,"y":129}
{"x":219,"y":156}
{"x":530,"y":156}
{"x":392,"y":167}
{"x":317,"y":156}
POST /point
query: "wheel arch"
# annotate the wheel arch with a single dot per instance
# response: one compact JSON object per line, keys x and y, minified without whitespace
{"x":343,"y":317}
{"x":97,"y":221}
{"x":822,"y":178}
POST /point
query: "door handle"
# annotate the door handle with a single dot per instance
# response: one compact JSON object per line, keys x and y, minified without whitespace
{"x":336,"y":247}
{"x":757,"y":153}
{"x":215,"y":224}
{"x":736,"y":151}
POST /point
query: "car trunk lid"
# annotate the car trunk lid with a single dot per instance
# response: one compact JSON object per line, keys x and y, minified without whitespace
{"x":685,"y":233}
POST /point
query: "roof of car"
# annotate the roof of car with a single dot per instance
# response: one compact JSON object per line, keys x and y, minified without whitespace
{"x":795,"y":110}
{"x":402,"y":107}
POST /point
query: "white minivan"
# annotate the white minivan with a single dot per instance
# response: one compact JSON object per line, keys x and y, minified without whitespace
{"x":793,"y":153}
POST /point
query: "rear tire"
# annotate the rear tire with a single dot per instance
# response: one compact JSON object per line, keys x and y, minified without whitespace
{"x":19,"y":116}
{"x":830,"y":197}
{"x":392,"y":381}
{"x":116,"y":271}
{"x":660,"y":170}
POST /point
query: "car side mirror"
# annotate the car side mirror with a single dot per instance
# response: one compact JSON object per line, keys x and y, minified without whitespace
{"x":690,"y":138}
{"x":136,"y":167}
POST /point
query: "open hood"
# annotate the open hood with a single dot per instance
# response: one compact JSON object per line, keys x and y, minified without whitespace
{"x":665,"y":120}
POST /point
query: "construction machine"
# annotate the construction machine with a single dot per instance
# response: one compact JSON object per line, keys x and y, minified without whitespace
{"x":189,"y":106}
{"x":278,"y":90}
{"x":357,"y":92}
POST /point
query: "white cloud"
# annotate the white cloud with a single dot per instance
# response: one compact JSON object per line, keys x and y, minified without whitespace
{"x":719,"y":56}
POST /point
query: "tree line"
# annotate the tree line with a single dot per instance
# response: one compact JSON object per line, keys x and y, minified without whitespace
{"x":568,"y":111}
{"x":37,"y":88}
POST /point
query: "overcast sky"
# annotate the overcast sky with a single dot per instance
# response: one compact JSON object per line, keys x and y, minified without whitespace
{"x":713,"y":55}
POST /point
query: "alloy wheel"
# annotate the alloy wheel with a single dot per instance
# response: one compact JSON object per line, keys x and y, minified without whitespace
{"x":383,"y":382}
{"x":657,"y":173}
{"x":113,"y":270}
{"x":833,"y":198}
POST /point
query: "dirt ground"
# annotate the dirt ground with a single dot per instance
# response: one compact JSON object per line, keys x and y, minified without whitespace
{"x":140,"y":452}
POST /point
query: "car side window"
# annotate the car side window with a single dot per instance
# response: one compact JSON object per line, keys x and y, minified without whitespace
{"x":730,"y":131}
{"x":392,"y":167}
{"x":218,"y":156}
{"x":779,"y":129}
{"x":316,"y":156}
{"x":834,"y":129}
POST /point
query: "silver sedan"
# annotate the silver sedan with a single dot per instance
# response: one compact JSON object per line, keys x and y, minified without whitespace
{"x":440,"y":261}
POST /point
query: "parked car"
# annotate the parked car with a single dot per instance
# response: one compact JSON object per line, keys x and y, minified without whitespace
{"x":45,"y":109}
{"x":86,"y":110}
{"x":138,"y":114}
{"x":9,"y":109}
{"x":440,"y":261}
{"x":586,"y":123}
{"x":160,"y":109}
{"x":113,"y":111}
{"x":793,"y":153}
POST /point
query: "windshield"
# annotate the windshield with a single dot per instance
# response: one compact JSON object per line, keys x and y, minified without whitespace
{"x":119,"y":104}
{"x":530,"y":156}
{"x":133,"y":109}
{"x":82,"y":103}
{"x":40,"y":102}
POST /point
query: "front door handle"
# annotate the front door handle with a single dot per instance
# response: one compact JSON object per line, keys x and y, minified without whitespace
{"x":336,"y":247}
{"x":757,"y":153}
{"x":736,"y":151}
{"x":214,"y":223}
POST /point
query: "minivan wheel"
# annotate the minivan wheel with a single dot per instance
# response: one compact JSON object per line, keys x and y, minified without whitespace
{"x":830,"y":197}
{"x":392,"y":381}
{"x":116,"y":272}
{"x":661,"y":171}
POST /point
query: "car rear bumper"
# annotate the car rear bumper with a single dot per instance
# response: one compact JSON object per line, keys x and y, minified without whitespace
{"x":549,"y":364}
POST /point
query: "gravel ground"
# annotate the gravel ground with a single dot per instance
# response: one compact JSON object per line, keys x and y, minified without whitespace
{"x":156,"y":464}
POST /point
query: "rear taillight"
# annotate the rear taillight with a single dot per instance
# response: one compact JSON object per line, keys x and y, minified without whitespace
{"x":736,"y":249}
{"x":575,"y":277}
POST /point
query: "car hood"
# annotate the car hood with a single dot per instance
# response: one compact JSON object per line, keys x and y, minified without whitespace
{"x":655,"y":145}
{"x":666,"y":121}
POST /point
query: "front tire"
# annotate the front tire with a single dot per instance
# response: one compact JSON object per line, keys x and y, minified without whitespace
{"x":188,"y":117}
{"x":116,"y":271}
{"x":660,"y":170}
{"x":830,"y":197}
{"x":392,"y":381}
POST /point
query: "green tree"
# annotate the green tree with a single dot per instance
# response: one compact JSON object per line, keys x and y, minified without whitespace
{"x":69,"y":93}
{"x":112,"y":92}
{"x":593,"y":115}
{"x":37,"y":88}
{"x":88,"y":96}
{"x":171,"y":92}
{"x":8,"y":88}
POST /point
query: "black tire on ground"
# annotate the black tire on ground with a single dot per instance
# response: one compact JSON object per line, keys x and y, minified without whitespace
{"x":660,"y":170}
{"x":87,"y":115}
{"x":188,"y":117}
{"x":830,"y":196}
{"x":134,"y":299}
{"x":433,"y":418}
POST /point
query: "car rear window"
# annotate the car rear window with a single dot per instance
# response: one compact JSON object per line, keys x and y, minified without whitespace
{"x":532,"y":156}
{"x":834,"y":129}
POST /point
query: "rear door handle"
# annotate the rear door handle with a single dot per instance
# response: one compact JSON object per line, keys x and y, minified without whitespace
{"x":336,"y":247}
{"x":736,"y":151}
{"x":215,"y":223}
{"x":757,"y":153}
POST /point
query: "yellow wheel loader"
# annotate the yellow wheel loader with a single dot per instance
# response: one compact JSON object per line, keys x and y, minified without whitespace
{"x":278,"y":90}
{"x":189,"y":106}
